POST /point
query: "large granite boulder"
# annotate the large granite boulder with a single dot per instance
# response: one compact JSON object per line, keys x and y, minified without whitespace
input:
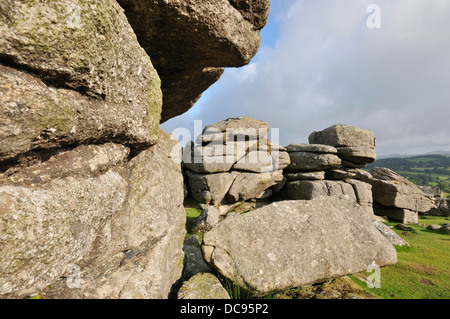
{"x":203,"y":286}
{"x":79,"y":76}
{"x":391,"y":235}
{"x":112,"y":217}
{"x":293,"y":243}
{"x":392,"y":190}
{"x":341,"y":135}
{"x":355,"y":146}
{"x":191,"y":41}
{"x":252,"y":185}
{"x":444,"y":207}
{"x":306,"y":161}
{"x":310,"y":189}
{"x":310,"y":161}
{"x":358,"y":191}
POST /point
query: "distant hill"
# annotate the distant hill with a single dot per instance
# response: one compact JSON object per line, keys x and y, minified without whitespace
{"x":443,"y":153}
{"x":427,"y":169}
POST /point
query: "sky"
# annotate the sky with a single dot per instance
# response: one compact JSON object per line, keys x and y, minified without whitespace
{"x":324,"y":62}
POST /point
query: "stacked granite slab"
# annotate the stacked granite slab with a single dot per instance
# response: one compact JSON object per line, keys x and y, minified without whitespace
{"x":233,"y":160}
{"x":322,"y":169}
{"x":396,"y":197}
{"x":355,"y":146}
{"x":393,"y":196}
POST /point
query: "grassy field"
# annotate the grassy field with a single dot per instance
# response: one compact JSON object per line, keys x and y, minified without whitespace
{"x":423,"y":269}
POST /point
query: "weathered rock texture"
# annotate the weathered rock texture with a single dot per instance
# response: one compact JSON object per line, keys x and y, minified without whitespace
{"x":397,"y":197}
{"x":122,"y":222}
{"x":203,"y":286}
{"x":88,"y":182}
{"x":191,"y":41}
{"x":316,"y":169}
{"x":234,"y":162}
{"x":355,"y":146}
{"x":391,"y":235}
{"x":80,"y":76}
{"x":295,"y":243}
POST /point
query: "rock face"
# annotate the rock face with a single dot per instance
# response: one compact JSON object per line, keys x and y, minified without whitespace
{"x":191,"y":41}
{"x":92,"y":207}
{"x":396,"y":197}
{"x":79,"y":77}
{"x":234,"y":162}
{"x":289,"y":246}
{"x":358,"y":191}
{"x":355,"y":146}
{"x":306,"y":161}
{"x":335,"y":168}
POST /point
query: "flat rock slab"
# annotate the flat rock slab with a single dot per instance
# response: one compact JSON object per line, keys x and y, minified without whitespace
{"x":393,"y":194}
{"x":399,"y":214}
{"x":313,"y":148}
{"x":203,"y":286}
{"x":307,"y":189}
{"x":294,"y":243}
{"x":306,"y":161}
{"x":343,"y":135}
{"x":357,"y":155}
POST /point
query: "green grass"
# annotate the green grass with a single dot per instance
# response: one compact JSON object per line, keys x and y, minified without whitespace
{"x":192,"y":213}
{"x":423,"y":269}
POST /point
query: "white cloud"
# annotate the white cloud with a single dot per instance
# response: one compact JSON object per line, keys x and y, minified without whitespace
{"x":328,"y":67}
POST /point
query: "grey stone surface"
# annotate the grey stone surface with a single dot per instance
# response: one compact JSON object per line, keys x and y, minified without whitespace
{"x":203,"y":286}
{"x":312,"y":148}
{"x":393,"y":194}
{"x":252,"y":185}
{"x":210,"y":188}
{"x":357,"y":155}
{"x":403,"y":215}
{"x":391,"y":235}
{"x":112,"y":217}
{"x":306,"y":161}
{"x":295,"y":243}
{"x":298,"y":176}
{"x":193,"y":261}
{"x":344,"y":135}
{"x":434,"y":191}
{"x":191,"y":41}
{"x":211,"y":164}
{"x":239,"y":129}
{"x":209,"y":217}
{"x":307,"y":190}
{"x":89,"y":82}
{"x":255,"y":161}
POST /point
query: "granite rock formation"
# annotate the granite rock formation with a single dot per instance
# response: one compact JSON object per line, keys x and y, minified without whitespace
{"x":234,"y":162}
{"x":191,"y":41}
{"x":90,"y":188}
